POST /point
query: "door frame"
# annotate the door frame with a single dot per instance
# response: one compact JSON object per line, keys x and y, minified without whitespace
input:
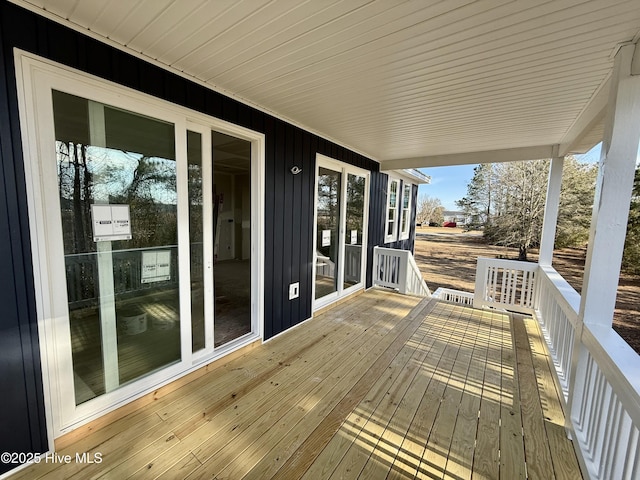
{"x":35,"y":78}
{"x":345,"y":169}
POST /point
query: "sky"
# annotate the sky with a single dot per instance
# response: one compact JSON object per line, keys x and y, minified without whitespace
{"x":450,"y":183}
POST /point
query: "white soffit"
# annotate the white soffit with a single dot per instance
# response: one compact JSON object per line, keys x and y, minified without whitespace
{"x":393,"y":79}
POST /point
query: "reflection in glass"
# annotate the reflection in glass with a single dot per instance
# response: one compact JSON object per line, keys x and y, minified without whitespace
{"x":122,"y":294}
{"x":353,"y":231}
{"x":196,"y":243}
{"x":327,"y":228}
{"x":232,"y":237}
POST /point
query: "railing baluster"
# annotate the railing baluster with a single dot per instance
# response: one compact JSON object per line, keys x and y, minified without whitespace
{"x":397,"y":269}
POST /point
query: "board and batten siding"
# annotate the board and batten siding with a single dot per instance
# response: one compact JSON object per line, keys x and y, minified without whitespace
{"x":288,"y":204}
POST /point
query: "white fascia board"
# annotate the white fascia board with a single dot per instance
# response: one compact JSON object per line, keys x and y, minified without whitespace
{"x":412,"y":175}
{"x":468,"y":158}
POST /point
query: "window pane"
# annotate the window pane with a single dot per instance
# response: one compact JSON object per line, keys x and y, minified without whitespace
{"x":353,"y":231}
{"x":122,"y":289}
{"x":329,"y":186}
{"x":232,"y":237}
{"x":406,"y":197}
{"x":393,"y":194}
{"x":196,"y":243}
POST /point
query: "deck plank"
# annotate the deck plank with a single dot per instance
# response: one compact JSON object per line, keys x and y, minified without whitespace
{"x":565,"y":462}
{"x":270,"y":398}
{"x":512,"y":459}
{"x":381,"y":386}
{"x":375,"y":413}
{"x":441,"y":438}
{"x":460,"y":459}
{"x":278,"y":441}
{"x":145,"y":426}
{"x":398,"y":428}
{"x":408,"y":460}
{"x":486,"y":463}
{"x":305,"y":455}
{"x":537,"y":454}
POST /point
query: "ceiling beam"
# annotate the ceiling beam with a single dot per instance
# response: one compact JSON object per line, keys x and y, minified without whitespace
{"x":467,"y":158}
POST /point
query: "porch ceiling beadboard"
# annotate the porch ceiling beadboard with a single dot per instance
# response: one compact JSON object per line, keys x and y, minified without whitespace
{"x":413,"y":82}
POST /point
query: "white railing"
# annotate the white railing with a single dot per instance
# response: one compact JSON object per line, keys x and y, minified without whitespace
{"x":598,"y":372}
{"x":557,"y":313}
{"x":453,"y":296}
{"x":505,"y":284}
{"x":605,"y":405}
{"x":398,"y":270}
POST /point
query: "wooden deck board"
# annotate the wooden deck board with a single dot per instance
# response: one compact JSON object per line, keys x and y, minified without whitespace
{"x":278,"y":440}
{"x":486,"y":463}
{"x":565,"y":462}
{"x":217,"y":443}
{"x":535,"y":442}
{"x":381,"y":386}
{"x":512,"y":460}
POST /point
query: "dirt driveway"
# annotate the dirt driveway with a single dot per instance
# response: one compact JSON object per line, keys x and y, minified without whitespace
{"x":447,"y":258}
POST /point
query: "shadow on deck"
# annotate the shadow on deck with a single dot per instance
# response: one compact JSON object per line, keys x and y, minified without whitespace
{"x":380,"y":386}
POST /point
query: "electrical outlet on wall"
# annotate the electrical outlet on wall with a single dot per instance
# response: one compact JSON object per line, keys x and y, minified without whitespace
{"x":294,"y":290}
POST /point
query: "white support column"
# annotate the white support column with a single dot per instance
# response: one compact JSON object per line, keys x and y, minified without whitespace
{"x":551,"y":212}
{"x":613,"y":194}
{"x":609,"y":220}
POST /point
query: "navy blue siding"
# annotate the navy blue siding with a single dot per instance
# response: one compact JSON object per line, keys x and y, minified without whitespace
{"x":22,"y":420}
{"x":288,"y":204}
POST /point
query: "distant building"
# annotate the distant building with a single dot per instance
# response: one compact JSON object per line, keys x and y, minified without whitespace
{"x":459,"y":218}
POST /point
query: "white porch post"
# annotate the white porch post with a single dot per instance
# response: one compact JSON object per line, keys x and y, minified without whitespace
{"x":551,"y":212}
{"x":613,"y":193}
{"x":608,"y":228}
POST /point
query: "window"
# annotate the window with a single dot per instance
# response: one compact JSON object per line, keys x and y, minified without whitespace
{"x":405,"y":212}
{"x":391,"y":229}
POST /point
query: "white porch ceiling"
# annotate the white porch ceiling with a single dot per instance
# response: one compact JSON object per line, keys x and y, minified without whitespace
{"x":409,"y":83}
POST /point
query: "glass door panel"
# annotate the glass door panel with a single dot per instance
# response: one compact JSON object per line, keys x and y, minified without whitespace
{"x":232,"y":237}
{"x":327,"y":231}
{"x":354,"y":221}
{"x":196,"y":240}
{"x":117,"y":189}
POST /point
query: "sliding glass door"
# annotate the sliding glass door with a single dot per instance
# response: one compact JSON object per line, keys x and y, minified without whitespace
{"x":148,"y":239}
{"x":341,"y":205}
{"x":118,"y":197}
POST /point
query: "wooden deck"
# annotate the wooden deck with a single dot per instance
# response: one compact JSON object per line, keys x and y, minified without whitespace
{"x":380,"y":386}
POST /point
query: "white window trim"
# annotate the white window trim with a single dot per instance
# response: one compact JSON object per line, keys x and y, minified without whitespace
{"x":404,"y":232}
{"x":393,"y":236}
{"x":30,"y":72}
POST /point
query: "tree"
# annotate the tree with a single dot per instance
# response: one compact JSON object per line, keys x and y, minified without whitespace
{"x":576,"y":203}
{"x":508,"y":201}
{"x":429,"y":209}
{"x":631,"y":255}
{"x":477,"y":204}
{"x":519,"y":193}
